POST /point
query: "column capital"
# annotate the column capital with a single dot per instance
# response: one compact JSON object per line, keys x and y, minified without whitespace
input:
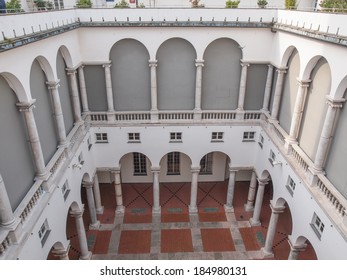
{"x":245,"y":64}
{"x":87,"y":184}
{"x":53,"y":84}
{"x":115,"y":169}
{"x":26,"y":105}
{"x":199,"y":62}
{"x":71,"y":71}
{"x":107,"y":64}
{"x":263,"y":181}
{"x":270,"y":66}
{"x":335,"y":103}
{"x":195,"y":169}
{"x":297,"y":247}
{"x":276,"y":209}
{"x":303,"y":83}
{"x":153,"y":63}
{"x":155,"y":169}
{"x":77,"y":213}
{"x":81,"y":66}
{"x":281,"y":71}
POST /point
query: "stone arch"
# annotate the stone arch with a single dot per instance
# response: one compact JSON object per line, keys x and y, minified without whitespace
{"x":311,"y":64}
{"x":46,"y":67}
{"x":221,"y":75}
{"x":16,"y":86}
{"x":184,"y":164}
{"x":66,"y":55}
{"x":176,"y":74}
{"x":286,"y":55}
{"x":341,"y":91}
{"x":57,"y":251}
{"x":309,"y":252}
{"x":265,"y":174}
{"x":214,"y":164}
{"x":130,"y":74}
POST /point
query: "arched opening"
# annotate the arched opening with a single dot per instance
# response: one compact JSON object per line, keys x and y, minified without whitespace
{"x":302,"y":249}
{"x":58,"y":252}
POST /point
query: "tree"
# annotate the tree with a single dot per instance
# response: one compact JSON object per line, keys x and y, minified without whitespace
{"x":334,"y":5}
{"x":14,"y":6}
{"x":84,"y":4}
{"x":290,"y":4}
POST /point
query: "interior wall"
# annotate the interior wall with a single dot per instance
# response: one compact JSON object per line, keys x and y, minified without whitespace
{"x":255,"y":87}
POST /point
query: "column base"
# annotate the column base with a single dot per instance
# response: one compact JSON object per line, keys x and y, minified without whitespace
{"x":266,"y":254}
{"x":94,"y":226}
{"x":156,"y":211}
{"x":248,"y":208}
{"x":86,"y":257}
{"x":193,"y":210}
{"x":254,"y":223}
{"x":120,"y":209}
{"x":100,"y":210}
{"x":228,"y":209}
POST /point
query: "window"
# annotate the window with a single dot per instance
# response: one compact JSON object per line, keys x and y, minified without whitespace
{"x":272,"y":157}
{"x":173,"y":163}
{"x":134,"y":137}
{"x":261,"y":141}
{"x":44,"y":232}
{"x":248,"y":136}
{"x":206,"y":164}
{"x":65,"y":189}
{"x":101,"y":137}
{"x":175,"y":136}
{"x":290,"y":185}
{"x":317,"y":225}
{"x":80,"y":159}
{"x":217,"y":137}
{"x":89,"y":142}
{"x":140,"y":164}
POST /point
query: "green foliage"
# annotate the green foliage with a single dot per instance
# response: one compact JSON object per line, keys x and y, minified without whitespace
{"x":334,"y":5}
{"x":42,"y":4}
{"x":290,"y":4}
{"x":122,"y":4}
{"x":13,"y":6}
{"x":231,"y":4}
{"x":262,"y":3}
{"x":142,"y":6}
{"x":84,"y":4}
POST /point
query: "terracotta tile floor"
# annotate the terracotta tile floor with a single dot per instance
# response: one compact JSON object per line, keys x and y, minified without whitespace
{"x":138,"y":234}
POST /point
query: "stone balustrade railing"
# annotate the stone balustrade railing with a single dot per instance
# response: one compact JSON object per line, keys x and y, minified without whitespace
{"x":174,"y":116}
{"x":218,"y":115}
{"x":300,"y":157}
{"x":280,"y":132}
{"x":252,"y":115}
{"x":5,"y":242}
{"x":332,"y":195}
{"x":94,"y":117}
{"x":132,"y":116}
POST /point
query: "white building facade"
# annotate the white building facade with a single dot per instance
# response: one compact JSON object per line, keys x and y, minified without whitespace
{"x":260,"y":91}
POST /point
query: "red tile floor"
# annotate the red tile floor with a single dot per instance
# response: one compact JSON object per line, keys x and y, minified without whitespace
{"x":176,"y":234}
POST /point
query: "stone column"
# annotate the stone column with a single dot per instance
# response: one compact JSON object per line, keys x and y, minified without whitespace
{"x":6,"y":214}
{"x":62,"y":254}
{"x":198,"y":84}
{"x":327,"y":132}
{"x":268,"y":86}
{"x":81,"y":232}
{"x":57,"y":111}
{"x":230,"y":193}
{"x":34,"y":140}
{"x":295,"y":250}
{"x":194,"y":189}
{"x":118,"y":189}
{"x":267,"y":249}
{"x":278,"y":93}
{"x":243,"y":82}
{"x":298,"y":109}
{"x":97,"y":196}
{"x":94,"y":223}
{"x":74,"y":95}
{"x":249,"y":206}
{"x":156,"y":190}
{"x":109,"y":91}
{"x":154,"y":94}
{"x":254,"y":221}
{"x":83,"y":89}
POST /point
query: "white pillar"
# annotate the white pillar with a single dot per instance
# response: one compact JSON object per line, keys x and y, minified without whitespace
{"x":267,"y":249}
{"x":109,"y":91}
{"x":194,"y":189}
{"x":198,"y":83}
{"x":243,"y":82}
{"x":57,"y":111}
{"x":97,"y":196}
{"x":34,"y":140}
{"x":228,"y":207}
{"x":81,"y":232}
{"x":254,"y":221}
{"x":327,"y":133}
{"x":268,"y":87}
{"x":154,"y":94}
{"x":118,"y":190}
{"x":94,"y":223}
{"x":298,"y":109}
{"x":156,"y":191}
{"x":83,"y":89}
{"x":74,"y":95}
{"x":249,"y":206}
{"x":6,"y":214}
{"x":278,"y":93}
{"x":295,"y":250}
